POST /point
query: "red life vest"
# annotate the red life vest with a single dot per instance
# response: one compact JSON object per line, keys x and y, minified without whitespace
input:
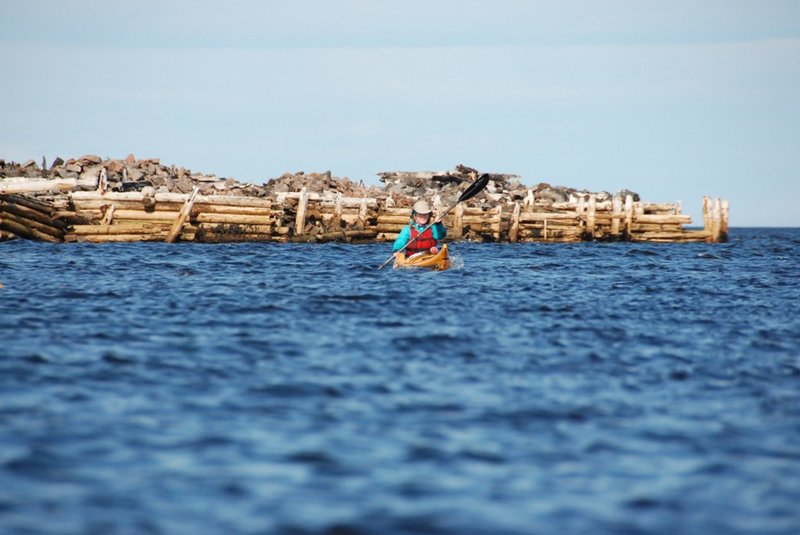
{"x":423,"y":243}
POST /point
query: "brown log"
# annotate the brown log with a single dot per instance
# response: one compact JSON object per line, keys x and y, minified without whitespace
{"x":236,"y":210}
{"x":121,"y":228}
{"x":186,"y":211}
{"x":34,"y":225}
{"x":235,"y":228}
{"x":141,"y":215}
{"x":30,"y":214}
{"x":529,"y":217}
{"x":680,"y":219}
{"x":114,"y":238}
{"x":24,"y":231}
{"x":235,"y":219}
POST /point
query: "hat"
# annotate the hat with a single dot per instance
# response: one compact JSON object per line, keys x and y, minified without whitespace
{"x":422,"y":207}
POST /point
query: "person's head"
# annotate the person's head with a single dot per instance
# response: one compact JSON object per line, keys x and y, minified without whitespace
{"x":421,"y":212}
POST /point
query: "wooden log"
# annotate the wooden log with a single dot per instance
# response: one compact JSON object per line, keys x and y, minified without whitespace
{"x":362,"y":213}
{"x":617,"y":214}
{"x":34,"y":226}
{"x":108,"y":217}
{"x":628,"y":214}
{"x":391,"y":220}
{"x":46,"y":208}
{"x":24,"y":231}
{"x":226,"y":228}
{"x":235,"y":219}
{"x":716,"y":221}
{"x":660,"y":208}
{"x":513,"y":233}
{"x":300,"y":218}
{"x":725,"y":206}
{"x":458,"y":221}
{"x":591,"y":216}
{"x":548,"y":216}
{"x":140,"y":215}
{"x":497,"y":222}
{"x":180,"y":198}
{"x":26,"y":212}
{"x":117,"y":238}
{"x":679,"y":219}
{"x":36,"y":185}
{"x":120,"y":228}
{"x":335,"y":221}
{"x":186,"y":211}
{"x":529,"y":200}
{"x":390,"y":211}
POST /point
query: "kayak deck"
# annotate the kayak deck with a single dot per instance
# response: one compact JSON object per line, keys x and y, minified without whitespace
{"x":439,"y":261}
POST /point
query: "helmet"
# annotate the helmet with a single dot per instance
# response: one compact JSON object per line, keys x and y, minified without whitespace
{"x":422,"y":207}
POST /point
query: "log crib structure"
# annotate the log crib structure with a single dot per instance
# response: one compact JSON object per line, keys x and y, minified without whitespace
{"x":62,"y":210}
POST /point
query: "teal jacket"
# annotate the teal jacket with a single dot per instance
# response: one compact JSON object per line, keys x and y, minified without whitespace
{"x":439,"y":232}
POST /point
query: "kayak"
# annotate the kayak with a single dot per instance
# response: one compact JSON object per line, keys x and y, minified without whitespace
{"x":439,"y":261}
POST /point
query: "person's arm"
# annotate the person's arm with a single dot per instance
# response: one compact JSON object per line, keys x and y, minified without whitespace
{"x":402,"y":239}
{"x":439,"y":232}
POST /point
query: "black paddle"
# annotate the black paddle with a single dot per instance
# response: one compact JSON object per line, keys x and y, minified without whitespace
{"x":469,"y":193}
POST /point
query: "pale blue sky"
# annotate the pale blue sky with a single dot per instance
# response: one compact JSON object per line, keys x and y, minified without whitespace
{"x":675,"y":100}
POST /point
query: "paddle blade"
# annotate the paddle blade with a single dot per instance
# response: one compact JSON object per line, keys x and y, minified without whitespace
{"x":474,"y":189}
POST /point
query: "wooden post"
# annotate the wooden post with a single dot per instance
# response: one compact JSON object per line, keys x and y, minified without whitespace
{"x":716,"y":221}
{"x":724,"y":222}
{"x":580,"y":211}
{"x":175,"y":231}
{"x":300,"y":219}
{"x":437,"y":205}
{"x":529,"y":200}
{"x":458,"y":226}
{"x":108,"y":217}
{"x":102,"y":183}
{"x":707,"y":215}
{"x":591,"y":217}
{"x":513,"y":233}
{"x":629,"y":216}
{"x":336,"y":220}
{"x":362,"y":213}
{"x":544,"y":229}
{"x":498,"y":225}
{"x":616,"y":214}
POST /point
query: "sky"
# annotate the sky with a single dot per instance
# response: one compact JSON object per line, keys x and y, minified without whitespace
{"x":674,"y":100}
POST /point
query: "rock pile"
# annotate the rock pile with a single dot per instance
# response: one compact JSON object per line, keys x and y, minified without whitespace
{"x":402,"y":187}
{"x":406,"y":187}
{"x":131,"y":174}
{"x":321,"y":182}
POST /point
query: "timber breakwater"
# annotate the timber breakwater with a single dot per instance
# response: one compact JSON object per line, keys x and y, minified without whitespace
{"x":90,"y":199}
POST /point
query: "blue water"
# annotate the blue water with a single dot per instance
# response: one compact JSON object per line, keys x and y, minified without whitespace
{"x":279,"y":388}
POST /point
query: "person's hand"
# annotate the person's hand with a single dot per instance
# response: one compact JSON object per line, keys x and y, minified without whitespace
{"x":434,"y":250}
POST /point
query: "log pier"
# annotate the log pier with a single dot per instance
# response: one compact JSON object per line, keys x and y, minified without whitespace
{"x":84,"y":210}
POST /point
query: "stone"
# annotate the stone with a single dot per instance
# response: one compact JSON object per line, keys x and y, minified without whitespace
{"x":130,"y":159}
{"x":29,"y":163}
{"x":74,"y":167}
{"x":90,"y":158}
{"x":115,"y":166}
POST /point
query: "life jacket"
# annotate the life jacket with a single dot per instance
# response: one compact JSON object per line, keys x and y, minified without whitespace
{"x":423,"y":244}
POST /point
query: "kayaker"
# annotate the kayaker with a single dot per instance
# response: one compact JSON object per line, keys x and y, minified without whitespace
{"x":429,"y":241}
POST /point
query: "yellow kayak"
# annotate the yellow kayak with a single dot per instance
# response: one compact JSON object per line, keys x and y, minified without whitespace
{"x":439,"y":261}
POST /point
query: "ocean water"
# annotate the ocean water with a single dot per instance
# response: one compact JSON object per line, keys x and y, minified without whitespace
{"x":280,"y":388}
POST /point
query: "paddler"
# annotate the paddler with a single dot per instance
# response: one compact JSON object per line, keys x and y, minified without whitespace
{"x":428,"y":242}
